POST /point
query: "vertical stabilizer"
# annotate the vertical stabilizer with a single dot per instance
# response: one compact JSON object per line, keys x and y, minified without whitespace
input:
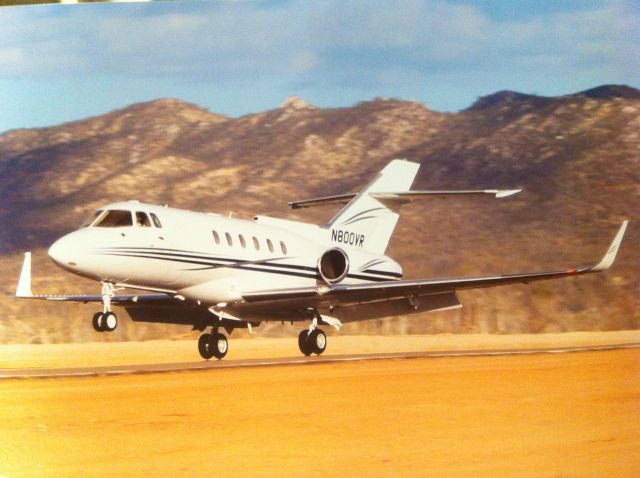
{"x":366,"y":222}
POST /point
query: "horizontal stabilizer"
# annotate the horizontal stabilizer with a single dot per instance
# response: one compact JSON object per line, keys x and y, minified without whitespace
{"x":403,"y":196}
{"x":409,"y":195}
{"x":322,"y":201}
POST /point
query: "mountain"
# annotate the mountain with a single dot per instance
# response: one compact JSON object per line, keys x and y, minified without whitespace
{"x":508,"y":99}
{"x":607,"y":92}
{"x":575,"y":156}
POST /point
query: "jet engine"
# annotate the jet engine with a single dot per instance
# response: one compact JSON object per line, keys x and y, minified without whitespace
{"x":333,"y":265}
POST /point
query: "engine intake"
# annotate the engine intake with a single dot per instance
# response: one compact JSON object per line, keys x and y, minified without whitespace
{"x":333,"y":265}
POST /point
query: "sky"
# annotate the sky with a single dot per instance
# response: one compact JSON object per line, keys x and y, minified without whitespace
{"x":65,"y":62}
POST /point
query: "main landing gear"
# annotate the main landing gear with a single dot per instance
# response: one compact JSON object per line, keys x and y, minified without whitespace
{"x":312,"y":341}
{"x":105,"y":321}
{"x":214,"y":344}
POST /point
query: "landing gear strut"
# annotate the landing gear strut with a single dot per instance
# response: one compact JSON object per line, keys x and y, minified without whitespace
{"x":105,"y":321}
{"x":214,"y":344}
{"x":312,"y":341}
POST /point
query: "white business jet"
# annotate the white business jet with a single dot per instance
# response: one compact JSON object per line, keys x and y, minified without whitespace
{"x":209,"y":270}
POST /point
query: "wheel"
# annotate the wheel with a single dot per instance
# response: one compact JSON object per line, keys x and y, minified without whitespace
{"x":97,"y":322}
{"x":303,"y":343}
{"x":317,"y":341}
{"x":219,"y":345}
{"x":204,"y":346}
{"x":109,"y":322}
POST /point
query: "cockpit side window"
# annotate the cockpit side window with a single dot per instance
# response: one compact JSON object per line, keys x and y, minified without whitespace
{"x":115,"y":218}
{"x":156,"y":221}
{"x":142,"y":220}
{"x":92,"y":219}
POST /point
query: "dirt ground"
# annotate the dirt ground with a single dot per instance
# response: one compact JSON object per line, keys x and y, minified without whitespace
{"x":556,"y":415}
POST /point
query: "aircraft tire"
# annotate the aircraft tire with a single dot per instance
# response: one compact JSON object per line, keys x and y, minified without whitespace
{"x":317,"y":341}
{"x":97,"y":322}
{"x":109,"y":322}
{"x":204,"y":346}
{"x":219,"y":345}
{"x":304,"y":344}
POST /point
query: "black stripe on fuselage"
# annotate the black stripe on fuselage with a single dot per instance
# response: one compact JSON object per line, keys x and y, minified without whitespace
{"x":198,"y":255}
{"x":238,"y":266}
{"x":395,"y":275}
{"x":214,"y":262}
{"x":192,"y":255}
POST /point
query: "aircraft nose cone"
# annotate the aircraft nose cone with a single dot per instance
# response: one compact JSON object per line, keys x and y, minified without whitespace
{"x":62,"y":253}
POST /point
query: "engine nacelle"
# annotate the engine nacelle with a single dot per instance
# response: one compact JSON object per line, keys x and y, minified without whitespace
{"x":333,"y":265}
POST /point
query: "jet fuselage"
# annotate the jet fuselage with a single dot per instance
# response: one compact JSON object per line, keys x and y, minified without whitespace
{"x":208,"y":257}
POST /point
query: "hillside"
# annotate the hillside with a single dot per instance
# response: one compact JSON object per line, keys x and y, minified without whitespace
{"x":576,"y":156}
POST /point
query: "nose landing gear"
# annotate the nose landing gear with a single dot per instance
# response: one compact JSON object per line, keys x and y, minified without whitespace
{"x":105,"y":321}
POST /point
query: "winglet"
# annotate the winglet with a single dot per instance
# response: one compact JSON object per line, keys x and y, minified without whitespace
{"x":24,"y":283}
{"x":610,"y":256}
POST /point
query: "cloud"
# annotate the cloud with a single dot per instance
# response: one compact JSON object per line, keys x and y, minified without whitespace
{"x":10,"y":57}
{"x":334,"y":44}
{"x":588,"y":39}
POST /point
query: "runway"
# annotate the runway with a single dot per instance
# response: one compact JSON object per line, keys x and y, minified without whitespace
{"x":127,"y":369}
{"x":463,"y":412}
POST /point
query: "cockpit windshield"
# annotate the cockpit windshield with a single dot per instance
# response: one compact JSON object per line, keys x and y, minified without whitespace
{"x":92,"y":218}
{"x":114,"y":218}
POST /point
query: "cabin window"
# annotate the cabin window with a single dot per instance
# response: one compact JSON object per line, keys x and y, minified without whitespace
{"x":256,"y":244}
{"x":115,"y":218}
{"x":283,"y":246}
{"x":93,"y":217}
{"x":242,"y":241}
{"x":270,"y":245}
{"x":216,"y":237}
{"x":156,"y":221}
{"x":229,"y":240}
{"x":142,"y":220}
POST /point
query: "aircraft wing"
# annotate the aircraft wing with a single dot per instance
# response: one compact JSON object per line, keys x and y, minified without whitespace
{"x":352,"y":294}
{"x":118,"y":299}
{"x":23,"y":291}
{"x":128,"y":300}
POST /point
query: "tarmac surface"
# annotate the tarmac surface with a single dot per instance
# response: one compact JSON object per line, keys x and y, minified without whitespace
{"x":483,"y":412}
{"x":7,"y":373}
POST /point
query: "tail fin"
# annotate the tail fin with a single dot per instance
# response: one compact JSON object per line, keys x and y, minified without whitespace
{"x":367,"y":222}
